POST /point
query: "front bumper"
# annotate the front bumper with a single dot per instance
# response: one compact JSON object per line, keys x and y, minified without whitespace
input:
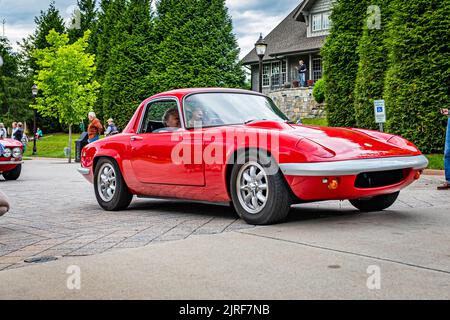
{"x":309,"y":181}
{"x":353,"y":167}
{"x":10,"y":162}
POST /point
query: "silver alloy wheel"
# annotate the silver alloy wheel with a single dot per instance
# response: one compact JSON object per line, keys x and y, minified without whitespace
{"x":252,"y":187}
{"x":106,"y":182}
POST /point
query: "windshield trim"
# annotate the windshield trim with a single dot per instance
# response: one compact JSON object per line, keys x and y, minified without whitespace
{"x":253,"y":93}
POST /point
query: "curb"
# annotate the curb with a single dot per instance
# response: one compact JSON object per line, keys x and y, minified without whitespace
{"x":431,"y":172}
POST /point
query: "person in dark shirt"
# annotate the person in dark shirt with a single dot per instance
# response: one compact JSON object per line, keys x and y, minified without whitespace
{"x":18,"y":134}
{"x":302,"y":69}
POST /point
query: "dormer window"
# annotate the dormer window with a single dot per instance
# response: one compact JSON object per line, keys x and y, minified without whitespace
{"x":320,"y":21}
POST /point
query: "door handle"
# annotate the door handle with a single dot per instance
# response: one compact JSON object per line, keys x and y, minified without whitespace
{"x":136,"y":138}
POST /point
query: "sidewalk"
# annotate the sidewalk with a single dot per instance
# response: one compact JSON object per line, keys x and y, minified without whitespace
{"x":264,"y":263}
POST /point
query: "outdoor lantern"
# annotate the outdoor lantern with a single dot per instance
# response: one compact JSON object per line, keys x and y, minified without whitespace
{"x":34,"y":90}
{"x":261,"y":47}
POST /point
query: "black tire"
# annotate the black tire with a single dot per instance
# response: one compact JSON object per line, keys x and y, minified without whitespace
{"x":121,"y":197}
{"x":14,"y":174}
{"x":378,"y":203}
{"x":278,"y":200}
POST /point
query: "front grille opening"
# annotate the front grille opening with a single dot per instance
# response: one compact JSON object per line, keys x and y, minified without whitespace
{"x":379,"y":179}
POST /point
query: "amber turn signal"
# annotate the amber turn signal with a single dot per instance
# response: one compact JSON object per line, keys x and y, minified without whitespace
{"x":417,"y":175}
{"x":333,"y":184}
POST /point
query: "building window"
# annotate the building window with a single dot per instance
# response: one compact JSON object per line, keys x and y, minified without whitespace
{"x":274,"y":74}
{"x":317,"y":69}
{"x":321,"y":21}
{"x":266,"y":75}
{"x":326,"y":21}
{"x":317,"y":22}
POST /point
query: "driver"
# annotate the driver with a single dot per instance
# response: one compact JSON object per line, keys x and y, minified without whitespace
{"x":171,"y":121}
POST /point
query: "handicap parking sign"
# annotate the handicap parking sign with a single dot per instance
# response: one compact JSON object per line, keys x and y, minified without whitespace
{"x":380,"y":111}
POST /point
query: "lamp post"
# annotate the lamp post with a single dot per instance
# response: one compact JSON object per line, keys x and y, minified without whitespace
{"x":34,"y":91}
{"x":261,"y":47}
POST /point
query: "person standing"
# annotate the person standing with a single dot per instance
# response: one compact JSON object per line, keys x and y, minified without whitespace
{"x":111,"y":129}
{"x":3,"y":132}
{"x":13,"y":130}
{"x":18,"y":132}
{"x":446,"y":185}
{"x":95,"y":128}
{"x":302,"y":69}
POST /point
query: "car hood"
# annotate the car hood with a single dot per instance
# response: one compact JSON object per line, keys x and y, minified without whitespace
{"x":345,"y":143}
{"x":10,"y":143}
{"x":354,"y":143}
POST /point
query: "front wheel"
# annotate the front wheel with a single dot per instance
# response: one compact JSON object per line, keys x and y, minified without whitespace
{"x":258,"y":190}
{"x":110,"y":188}
{"x":13,"y":174}
{"x":378,"y":203}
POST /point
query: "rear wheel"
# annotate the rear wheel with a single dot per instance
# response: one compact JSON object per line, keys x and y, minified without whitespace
{"x":378,"y":203}
{"x":14,"y":174}
{"x":110,"y":188}
{"x":260,"y":194}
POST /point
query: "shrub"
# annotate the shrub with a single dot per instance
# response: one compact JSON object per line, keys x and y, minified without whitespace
{"x":418,"y":79}
{"x":341,"y":61}
{"x":319,"y":91}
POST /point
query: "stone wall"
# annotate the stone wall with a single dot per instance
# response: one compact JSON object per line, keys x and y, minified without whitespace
{"x":297,"y":103}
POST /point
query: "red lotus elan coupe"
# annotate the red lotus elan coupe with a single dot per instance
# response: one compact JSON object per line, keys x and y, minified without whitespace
{"x":236,"y":146}
{"x":10,"y":159}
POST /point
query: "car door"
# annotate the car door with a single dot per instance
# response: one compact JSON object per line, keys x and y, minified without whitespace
{"x":156,"y":155}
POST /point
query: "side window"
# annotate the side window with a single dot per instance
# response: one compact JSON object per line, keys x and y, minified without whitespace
{"x":154,"y":115}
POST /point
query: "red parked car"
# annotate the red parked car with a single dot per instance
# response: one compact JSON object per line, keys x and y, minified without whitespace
{"x":236,"y":146}
{"x":10,"y":159}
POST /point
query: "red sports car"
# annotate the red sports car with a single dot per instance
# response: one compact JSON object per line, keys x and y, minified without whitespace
{"x":10,"y":158}
{"x":236,"y":146}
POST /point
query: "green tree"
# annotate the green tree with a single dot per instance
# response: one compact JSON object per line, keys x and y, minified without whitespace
{"x":65,"y":78}
{"x":196,"y":46}
{"x":107,"y":29}
{"x":14,"y":87}
{"x":84,"y":18}
{"x":418,"y":78}
{"x":373,"y":63}
{"x":46,"y":21}
{"x":130,"y":58}
{"x":341,"y":60}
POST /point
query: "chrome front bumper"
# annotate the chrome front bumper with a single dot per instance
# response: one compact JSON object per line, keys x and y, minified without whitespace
{"x":10,"y":162}
{"x":84,"y":171}
{"x":353,"y":167}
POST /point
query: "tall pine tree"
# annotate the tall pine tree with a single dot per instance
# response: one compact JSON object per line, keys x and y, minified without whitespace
{"x":341,"y":60}
{"x":418,"y":79}
{"x":373,"y":63}
{"x":84,"y":18}
{"x":130,"y":59}
{"x":197,"y":47}
{"x":13,"y":97}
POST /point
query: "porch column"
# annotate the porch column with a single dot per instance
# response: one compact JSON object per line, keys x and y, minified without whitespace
{"x":310,"y":67}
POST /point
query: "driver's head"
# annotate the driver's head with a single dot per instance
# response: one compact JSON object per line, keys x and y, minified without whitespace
{"x":171,"y":118}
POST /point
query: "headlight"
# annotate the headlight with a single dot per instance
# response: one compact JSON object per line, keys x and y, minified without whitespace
{"x":7,"y":153}
{"x":17,"y":152}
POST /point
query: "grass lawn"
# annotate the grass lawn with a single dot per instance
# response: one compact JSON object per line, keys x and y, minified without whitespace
{"x":315,"y":122}
{"x":51,"y":145}
{"x":436,"y":161}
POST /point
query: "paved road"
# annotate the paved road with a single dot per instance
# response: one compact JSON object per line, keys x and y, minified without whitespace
{"x":202,"y":251}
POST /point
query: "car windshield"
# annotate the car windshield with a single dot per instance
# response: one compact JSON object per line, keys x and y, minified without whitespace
{"x":219,"y":109}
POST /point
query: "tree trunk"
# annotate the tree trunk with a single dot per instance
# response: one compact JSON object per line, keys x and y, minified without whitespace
{"x":70,"y":143}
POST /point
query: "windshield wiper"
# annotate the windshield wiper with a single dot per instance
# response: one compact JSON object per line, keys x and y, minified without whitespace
{"x":253,"y":120}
